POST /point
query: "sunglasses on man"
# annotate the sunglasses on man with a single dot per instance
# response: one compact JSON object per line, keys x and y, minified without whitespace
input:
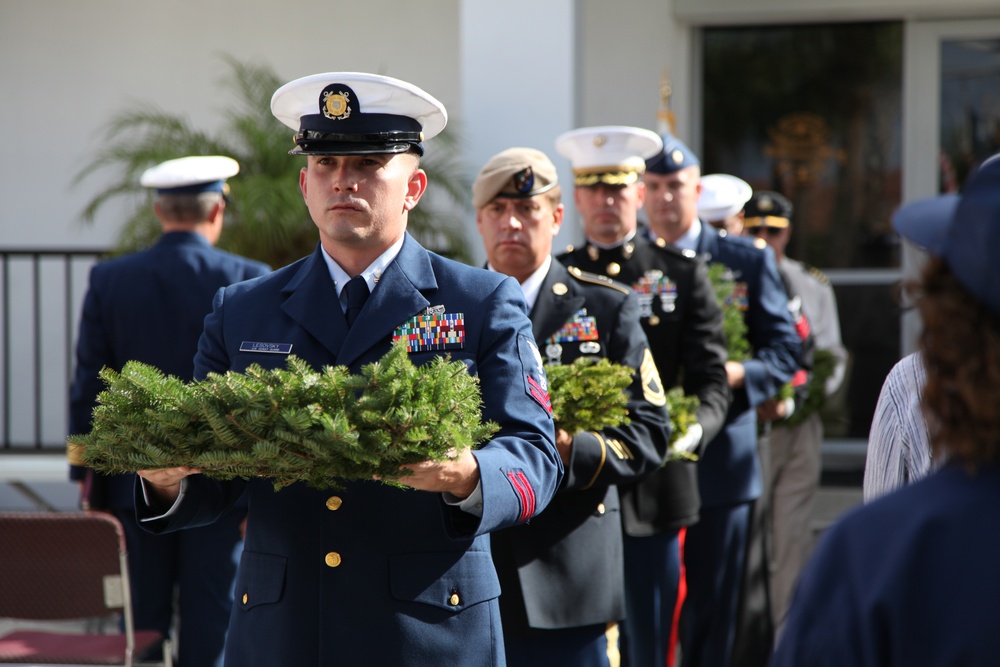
{"x":765,"y":231}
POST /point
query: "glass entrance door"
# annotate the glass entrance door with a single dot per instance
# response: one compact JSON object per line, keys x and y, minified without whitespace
{"x":951,"y":119}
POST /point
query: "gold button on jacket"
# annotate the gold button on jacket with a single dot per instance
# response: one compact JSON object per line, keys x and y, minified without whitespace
{"x":333,"y":559}
{"x":334,"y":502}
{"x":454,"y":600}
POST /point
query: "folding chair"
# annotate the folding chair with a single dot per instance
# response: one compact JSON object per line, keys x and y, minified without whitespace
{"x":62,"y":567}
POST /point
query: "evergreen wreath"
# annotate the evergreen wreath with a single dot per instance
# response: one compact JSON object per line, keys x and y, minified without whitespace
{"x":293,"y":424}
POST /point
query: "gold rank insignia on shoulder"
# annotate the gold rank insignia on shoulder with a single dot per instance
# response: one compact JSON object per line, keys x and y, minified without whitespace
{"x":336,"y":105}
{"x":596,"y":279}
{"x":818,"y":275}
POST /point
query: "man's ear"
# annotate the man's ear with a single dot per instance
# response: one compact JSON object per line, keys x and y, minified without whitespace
{"x":415,"y":189}
{"x":557,"y":218}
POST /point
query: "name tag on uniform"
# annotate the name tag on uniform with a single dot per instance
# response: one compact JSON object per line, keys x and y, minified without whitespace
{"x":266,"y":348}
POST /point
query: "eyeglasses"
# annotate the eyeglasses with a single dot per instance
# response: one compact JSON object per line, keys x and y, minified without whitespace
{"x":769,"y":231}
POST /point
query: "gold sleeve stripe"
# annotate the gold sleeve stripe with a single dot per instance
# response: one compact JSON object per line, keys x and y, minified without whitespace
{"x":604,"y":457}
{"x":621,"y":449}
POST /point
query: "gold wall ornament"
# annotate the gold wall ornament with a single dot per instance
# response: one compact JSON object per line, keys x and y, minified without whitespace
{"x":336,"y":105}
{"x":665,"y":120}
{"x":801,"y":148}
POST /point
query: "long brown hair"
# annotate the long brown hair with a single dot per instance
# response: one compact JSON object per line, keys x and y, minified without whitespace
{"x":960,"y":344}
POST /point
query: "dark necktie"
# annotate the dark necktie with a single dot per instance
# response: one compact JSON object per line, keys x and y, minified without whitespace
{"x":356,"y":292}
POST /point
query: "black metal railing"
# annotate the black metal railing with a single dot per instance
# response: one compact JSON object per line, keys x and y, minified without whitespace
{"x":41,"y":291}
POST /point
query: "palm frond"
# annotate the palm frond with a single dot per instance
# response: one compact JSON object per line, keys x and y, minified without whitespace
{"x":266,"y":218}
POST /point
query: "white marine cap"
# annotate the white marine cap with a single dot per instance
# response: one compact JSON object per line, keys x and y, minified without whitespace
{"x":354,"y":113}
{"x":610,"y":154}
{"x":722,"y":196}
{"x":191,"y":175}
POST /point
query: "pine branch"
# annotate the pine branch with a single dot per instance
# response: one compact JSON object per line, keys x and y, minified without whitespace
{"x":589,"y":394}
{"x":733,"y":323}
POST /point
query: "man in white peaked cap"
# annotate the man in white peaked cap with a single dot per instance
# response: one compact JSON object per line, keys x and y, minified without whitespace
{"x":722,"y":199}
{"x":372,"y":574}
{"x":683,"y":323}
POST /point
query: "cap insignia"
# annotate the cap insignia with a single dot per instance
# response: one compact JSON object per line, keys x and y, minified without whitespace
{"x":765,"y":203}
{"x":336,"y":104}
{"x":677,"y":155}
{"x":600,"y":140}
{"x":524,"y":180}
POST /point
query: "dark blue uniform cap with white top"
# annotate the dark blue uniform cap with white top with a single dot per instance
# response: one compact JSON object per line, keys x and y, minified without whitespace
{"x":354,"y":113}
{"x":963,"y":230}
{"x":673,"y":157}
{"x":191,"y":175}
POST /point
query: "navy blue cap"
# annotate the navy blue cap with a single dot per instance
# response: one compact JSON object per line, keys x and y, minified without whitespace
{"x":355,"y":113}
{"x":963,"y":230}
{"x":672,"y":158}
{"x":767,"y":209}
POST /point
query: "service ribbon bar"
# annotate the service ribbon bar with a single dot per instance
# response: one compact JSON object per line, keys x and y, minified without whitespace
{"x":580,"y":328}
{"x":424,"y":333}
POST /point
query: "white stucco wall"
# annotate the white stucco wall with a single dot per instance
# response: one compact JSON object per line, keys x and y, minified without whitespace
{"x":68,"y":66}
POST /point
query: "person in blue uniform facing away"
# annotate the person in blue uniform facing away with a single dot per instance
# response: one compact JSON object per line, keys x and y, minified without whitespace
{"x":373,"y":574}
{"x":729,"y":473}
{"x":562,"y":575}
{"x":911,"y":578}
{"x":150,"y":306}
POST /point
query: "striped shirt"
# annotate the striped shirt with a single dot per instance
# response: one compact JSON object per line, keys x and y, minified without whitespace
{"x":898,"y":447}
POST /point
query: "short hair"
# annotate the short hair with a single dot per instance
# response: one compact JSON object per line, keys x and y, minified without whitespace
{"x":554,"y":196}
{"x":960,"y":344}
{"x":188,"y":208}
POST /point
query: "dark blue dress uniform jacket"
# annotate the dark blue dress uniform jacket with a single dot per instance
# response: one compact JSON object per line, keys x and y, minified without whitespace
{"x":565,"y":568}
{"x":729,"y":469}
{"x":910,"y":580}
{"x":689,"y":348}
{"x":371,"y":574}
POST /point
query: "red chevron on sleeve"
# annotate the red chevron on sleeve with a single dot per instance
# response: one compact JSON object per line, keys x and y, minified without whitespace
{"x":540,"y":394}
{"x":522,"y":487}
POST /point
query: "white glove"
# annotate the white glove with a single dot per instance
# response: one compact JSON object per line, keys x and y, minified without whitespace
{"x":688,"y":442}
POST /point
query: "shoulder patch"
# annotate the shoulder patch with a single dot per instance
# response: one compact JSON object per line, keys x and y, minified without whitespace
{"x":760,"y":243}
{"x":596,"y":279}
